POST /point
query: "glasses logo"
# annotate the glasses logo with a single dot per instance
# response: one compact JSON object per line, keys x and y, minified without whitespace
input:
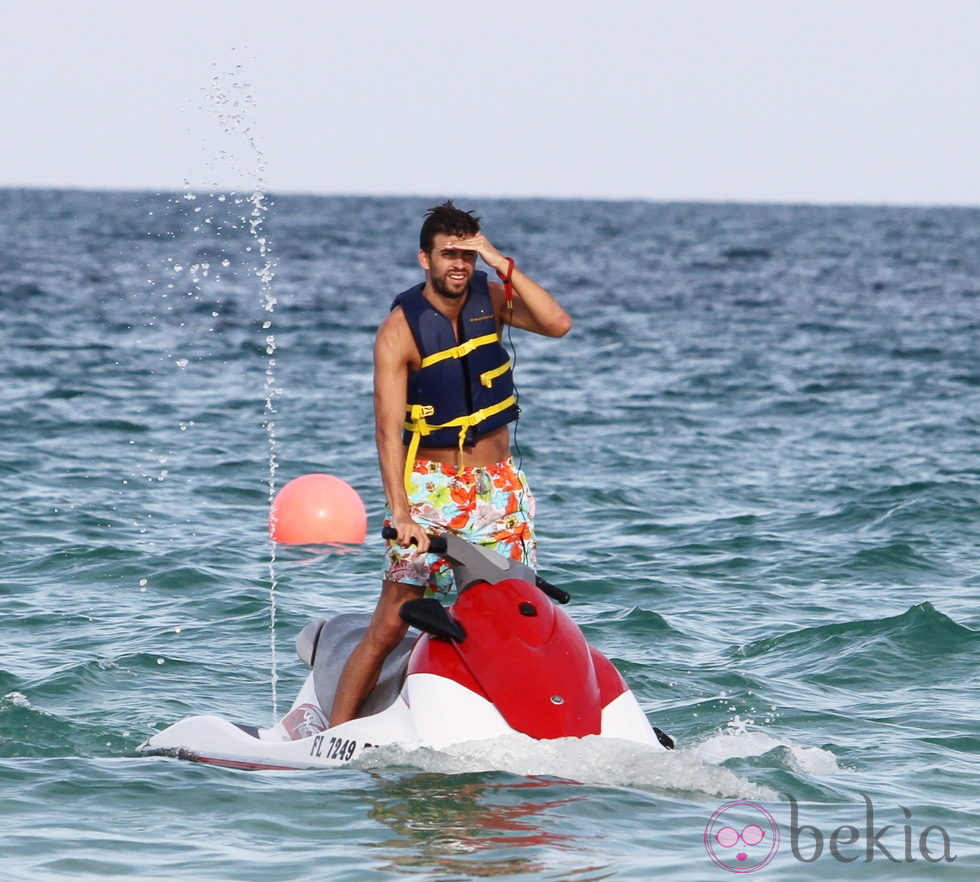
{"x":741,"y":837}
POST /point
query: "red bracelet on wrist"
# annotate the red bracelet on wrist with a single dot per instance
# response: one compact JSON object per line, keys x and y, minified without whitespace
{"x":508,"y":284}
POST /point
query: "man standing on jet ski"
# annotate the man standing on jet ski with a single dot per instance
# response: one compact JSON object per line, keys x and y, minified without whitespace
{"x":443,"y":401}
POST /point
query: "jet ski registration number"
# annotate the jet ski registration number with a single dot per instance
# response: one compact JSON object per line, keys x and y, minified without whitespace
{"x":335,"y":748}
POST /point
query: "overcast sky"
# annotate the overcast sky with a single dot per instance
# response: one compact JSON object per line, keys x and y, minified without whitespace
{"x":846,"y":101}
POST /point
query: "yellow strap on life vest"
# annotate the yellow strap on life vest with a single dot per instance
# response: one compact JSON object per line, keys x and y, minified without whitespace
{"x":417,"y":425}
{"x":461,"y":350}
{"x":488,"y":377}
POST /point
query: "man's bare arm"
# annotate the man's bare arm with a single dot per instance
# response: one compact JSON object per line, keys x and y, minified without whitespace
{"x":534,"y":309}
{"x":393,"y":351}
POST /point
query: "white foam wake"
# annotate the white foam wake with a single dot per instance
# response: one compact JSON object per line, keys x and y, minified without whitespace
{"x":737,"y":741}
{"x":589,"y":760}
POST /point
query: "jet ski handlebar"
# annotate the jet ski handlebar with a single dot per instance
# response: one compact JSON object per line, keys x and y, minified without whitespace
{"x":475,"y":562}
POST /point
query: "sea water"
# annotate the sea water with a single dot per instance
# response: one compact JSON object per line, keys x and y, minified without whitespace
{"x":757,"y":465}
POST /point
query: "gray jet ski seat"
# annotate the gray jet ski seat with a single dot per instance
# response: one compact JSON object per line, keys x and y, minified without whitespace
{"x":326,"y":645}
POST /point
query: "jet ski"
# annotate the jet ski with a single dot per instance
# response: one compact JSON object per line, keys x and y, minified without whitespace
{"x":502,"y":659}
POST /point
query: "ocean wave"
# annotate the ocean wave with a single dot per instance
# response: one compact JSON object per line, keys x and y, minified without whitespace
{"x":28,"y":731}
{"x":738,"y":741}
{"x":869,"y":653}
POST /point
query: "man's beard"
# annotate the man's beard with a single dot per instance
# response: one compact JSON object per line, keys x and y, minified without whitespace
{"x":440,"y":288}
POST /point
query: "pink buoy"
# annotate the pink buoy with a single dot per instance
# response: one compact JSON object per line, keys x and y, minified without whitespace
{"x":317,"y":509}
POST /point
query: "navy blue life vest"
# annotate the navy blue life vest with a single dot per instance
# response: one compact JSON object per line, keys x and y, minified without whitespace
{"x":464,"y":388}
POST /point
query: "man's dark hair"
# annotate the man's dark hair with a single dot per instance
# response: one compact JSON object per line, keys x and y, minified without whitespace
{"x":449,"y":220}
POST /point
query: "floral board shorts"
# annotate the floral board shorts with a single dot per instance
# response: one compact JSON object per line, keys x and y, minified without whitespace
{"x":488,"y":505}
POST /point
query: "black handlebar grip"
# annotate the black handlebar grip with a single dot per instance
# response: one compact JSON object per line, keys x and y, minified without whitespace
{"x":554,"y":592}
{"x":437,"y":544}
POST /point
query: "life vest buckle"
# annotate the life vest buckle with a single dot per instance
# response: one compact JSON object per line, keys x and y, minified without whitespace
{"x":420,"y":411}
